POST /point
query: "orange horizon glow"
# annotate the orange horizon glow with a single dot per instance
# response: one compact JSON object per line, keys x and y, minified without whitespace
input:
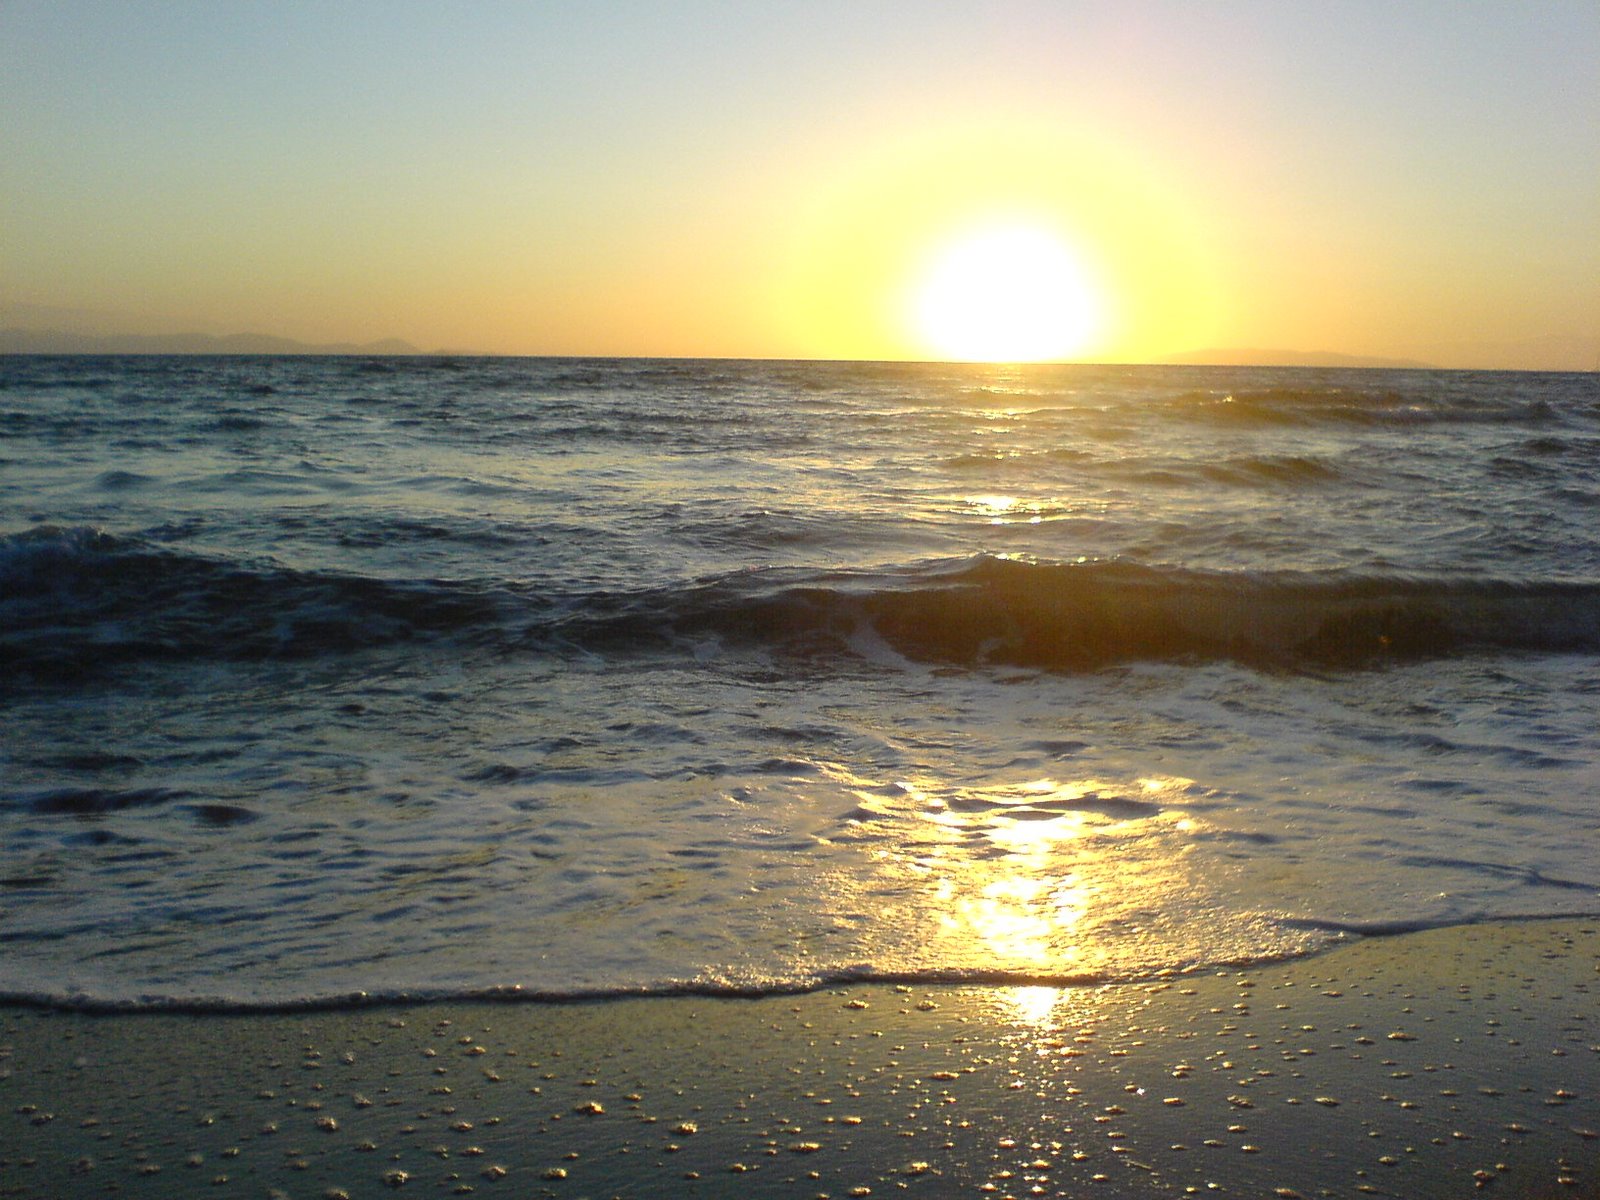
{"x":994,"y":240}
{"x":790,"y":182}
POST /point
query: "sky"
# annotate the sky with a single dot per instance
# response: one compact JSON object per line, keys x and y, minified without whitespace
{"x":812,"y":180}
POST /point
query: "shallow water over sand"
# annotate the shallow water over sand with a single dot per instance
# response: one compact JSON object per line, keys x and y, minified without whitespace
{"x":415,"y":678}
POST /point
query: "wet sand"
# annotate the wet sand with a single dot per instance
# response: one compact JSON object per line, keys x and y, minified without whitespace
{"x":1440,"y":1064}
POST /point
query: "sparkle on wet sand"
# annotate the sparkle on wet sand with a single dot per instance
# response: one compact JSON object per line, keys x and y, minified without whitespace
{"x":1439,"y":1064}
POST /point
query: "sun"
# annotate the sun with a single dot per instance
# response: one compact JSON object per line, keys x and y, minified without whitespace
{"x":1005,"y":291}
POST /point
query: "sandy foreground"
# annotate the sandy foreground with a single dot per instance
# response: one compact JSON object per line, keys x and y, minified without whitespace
{"x":1449,"y":1063}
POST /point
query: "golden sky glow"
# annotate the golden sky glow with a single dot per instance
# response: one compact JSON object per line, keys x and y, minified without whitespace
{"x":879,"y":245}
{"x":786,"y":180}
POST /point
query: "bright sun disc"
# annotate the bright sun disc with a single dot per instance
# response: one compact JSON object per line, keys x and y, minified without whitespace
{"x":1005,"y":293}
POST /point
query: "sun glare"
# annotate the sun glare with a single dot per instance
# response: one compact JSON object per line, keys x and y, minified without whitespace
{"x":1011,"y":292}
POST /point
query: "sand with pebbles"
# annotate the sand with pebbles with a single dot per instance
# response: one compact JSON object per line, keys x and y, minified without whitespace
{"x":1444,"y":1063}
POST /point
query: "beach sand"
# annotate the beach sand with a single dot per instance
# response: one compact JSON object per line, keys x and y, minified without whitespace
{"x":1446,"y":1063}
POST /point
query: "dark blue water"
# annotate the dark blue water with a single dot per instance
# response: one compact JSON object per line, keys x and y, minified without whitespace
{"x":446,"y":677}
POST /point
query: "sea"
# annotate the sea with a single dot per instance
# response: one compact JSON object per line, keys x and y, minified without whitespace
{"x":332,"y":680}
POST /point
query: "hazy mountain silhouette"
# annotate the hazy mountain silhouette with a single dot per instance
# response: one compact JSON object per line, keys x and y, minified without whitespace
{"x":1288,"y":358}
{"x":56,"y":341}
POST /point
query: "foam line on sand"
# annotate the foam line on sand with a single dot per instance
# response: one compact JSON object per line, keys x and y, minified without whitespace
{"x":1447,"y":1063}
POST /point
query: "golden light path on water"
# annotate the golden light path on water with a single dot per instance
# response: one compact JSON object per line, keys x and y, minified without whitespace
{"x":1063,"y":879}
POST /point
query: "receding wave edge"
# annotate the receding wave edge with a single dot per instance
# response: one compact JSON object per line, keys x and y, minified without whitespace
{"x":711,"y":989}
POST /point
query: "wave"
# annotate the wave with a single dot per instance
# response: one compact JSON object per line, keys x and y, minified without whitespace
{"x":1333,"y":934}
{"x":75,"y":601}
{"x":1274,"y":471}
{"x":1433,"y":405}
{"x":1080,"y":616}
{"x":711,"y":986}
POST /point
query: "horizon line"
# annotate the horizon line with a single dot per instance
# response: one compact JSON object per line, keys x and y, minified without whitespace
{"x":116,"y":345}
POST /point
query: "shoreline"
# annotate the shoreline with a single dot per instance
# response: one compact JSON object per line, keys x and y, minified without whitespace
{"x":974,"y":979}
{"x":1438,"y":1063}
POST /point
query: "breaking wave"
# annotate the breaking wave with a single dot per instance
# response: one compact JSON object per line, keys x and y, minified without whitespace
{"x":73,"y":601}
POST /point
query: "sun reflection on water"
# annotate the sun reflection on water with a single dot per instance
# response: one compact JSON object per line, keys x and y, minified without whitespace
{"x":1043,"y":880}
{"x":1033,"y":1005}
{"x":1042,"y":1007}
{"x":993,"y":505}
{"x":1017,"y":917}
{"x":1021,"y":904}
{"x":1059,"y":879}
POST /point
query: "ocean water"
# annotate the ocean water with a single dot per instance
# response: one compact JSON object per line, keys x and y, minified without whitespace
{"x":332,"y":678}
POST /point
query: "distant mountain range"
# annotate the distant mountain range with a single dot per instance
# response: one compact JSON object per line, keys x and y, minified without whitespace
{"x":1550,"y":353}
{"x":56,"y":341}
{"x":1289,"y":358}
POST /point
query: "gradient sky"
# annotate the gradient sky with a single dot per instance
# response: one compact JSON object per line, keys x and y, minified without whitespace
{"x":1406,"y":179}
